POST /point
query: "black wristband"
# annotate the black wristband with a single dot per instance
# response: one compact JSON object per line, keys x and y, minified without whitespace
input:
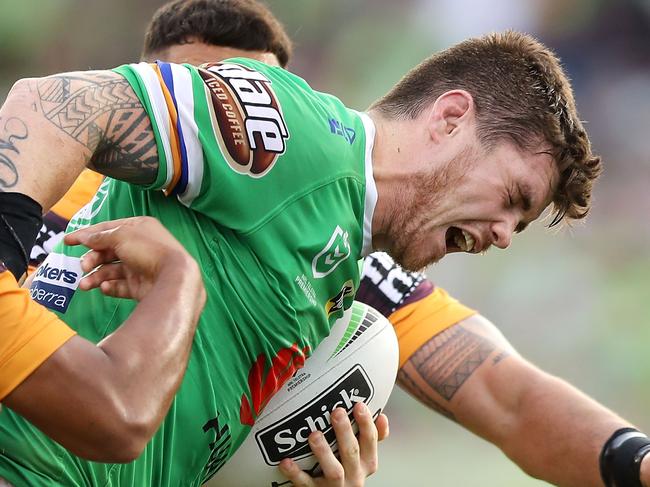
{"x":20,"y":221}
{"x":621,"y":456}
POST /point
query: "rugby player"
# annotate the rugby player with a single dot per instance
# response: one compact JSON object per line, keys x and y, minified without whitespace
{"x":226,"y":227}
{"x":452,"y":359}
{"x":82,"y":394}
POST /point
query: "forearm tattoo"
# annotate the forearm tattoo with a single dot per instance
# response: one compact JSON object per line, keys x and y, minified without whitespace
{"x":12,"y":132}
{"x":441,"y":366}
{"x":102,"y":112}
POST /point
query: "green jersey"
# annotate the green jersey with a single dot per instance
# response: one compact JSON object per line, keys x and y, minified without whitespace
{"x":268,"y":184}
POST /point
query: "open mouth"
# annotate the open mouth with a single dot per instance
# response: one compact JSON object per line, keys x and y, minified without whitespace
{"x":459,"y":240}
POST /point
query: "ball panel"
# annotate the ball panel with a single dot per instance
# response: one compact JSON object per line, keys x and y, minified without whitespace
{"x":357,"y":362}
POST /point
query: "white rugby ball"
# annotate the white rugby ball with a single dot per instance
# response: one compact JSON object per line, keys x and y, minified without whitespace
{"x":357,"y":362}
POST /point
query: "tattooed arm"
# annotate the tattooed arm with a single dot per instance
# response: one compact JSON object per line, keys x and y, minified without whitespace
{"x":52,"y":128}
{"x":470,"y":373}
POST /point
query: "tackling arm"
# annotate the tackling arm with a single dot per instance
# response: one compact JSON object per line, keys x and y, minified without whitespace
{"x":470,"y":373}
{"x":104,"y":402}
{"x":64,"y":123}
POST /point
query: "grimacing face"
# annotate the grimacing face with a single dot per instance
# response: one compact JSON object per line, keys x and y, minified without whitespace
{"x":479,"y":200}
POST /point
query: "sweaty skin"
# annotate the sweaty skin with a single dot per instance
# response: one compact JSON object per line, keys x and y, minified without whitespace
{"x":121,"y":393}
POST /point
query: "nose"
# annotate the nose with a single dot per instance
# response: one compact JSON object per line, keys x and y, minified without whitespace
{"x":502,"y":233}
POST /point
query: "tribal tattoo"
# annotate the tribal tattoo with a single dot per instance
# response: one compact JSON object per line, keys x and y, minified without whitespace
{"x":12,"y":131}
{"x":102,"y":112}
{"x":441,"y":366}
{"x":409,"y":381}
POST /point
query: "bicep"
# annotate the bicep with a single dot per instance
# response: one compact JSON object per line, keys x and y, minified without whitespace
{"x":453,"y":371}
{"x":52,"y":128}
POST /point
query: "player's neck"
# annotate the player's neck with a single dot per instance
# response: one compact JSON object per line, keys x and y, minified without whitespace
{"x":397,"y":153}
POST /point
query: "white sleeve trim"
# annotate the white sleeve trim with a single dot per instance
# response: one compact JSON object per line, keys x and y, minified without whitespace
{"x":371,"y":187}
{"x":193,"y":148}
{"x":160,"y":113}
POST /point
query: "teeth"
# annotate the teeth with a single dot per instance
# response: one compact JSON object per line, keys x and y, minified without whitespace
{"x":469,"y":241}
{"x":464,"y":241}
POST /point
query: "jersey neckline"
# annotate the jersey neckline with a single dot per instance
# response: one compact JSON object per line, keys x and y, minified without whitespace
{"x":371,"y":187}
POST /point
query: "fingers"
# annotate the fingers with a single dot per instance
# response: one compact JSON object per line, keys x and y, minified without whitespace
{"x":117,"y":289}
{"x":95,"y":258}
{"x":95,"y":239}
{"x":358,"y":458}
{"x":348,"y":445}
{"x":383,"y":429}
{"x":329,"y":464}
{"x":111,"y":279}
{"x":368,"y":436}
{"x":107,"y":272}
{"x":292,"y":471}
{"x":80,"y":237}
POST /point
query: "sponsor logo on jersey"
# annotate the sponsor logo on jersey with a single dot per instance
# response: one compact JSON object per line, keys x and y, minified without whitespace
{"x":288,"y":437}
{"x":56,"y":281}
{"x":336,"y":303}
{"x":220,"y":446}
{"x":338,"y":128}
{"x":247,"y":117}
{"x":335,"y":252}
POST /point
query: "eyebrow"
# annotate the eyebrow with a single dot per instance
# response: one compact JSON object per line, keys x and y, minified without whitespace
{"x":526,"y":197}
{"x":526,"y":203}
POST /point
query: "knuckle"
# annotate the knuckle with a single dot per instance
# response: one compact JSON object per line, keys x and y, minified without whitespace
{"x":372,"y":434}
{"x":372,"y":466}
{"x":148,"y":220}
{"x":351,"y":451}
{"x":337,"y":474}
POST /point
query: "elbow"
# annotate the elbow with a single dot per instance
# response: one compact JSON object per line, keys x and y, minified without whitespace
{"x":21,"y":89}
{"x":123,"y":448}
{"x":126,"y":438}
{"x":119,"y":437}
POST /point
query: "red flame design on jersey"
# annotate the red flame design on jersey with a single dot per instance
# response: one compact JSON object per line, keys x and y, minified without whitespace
{"x":283,"y":366}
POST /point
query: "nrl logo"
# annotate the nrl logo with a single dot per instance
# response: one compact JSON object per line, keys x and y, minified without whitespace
{"x":335,"y":252}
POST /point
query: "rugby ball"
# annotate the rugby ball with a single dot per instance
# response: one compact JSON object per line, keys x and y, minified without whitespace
{"x":357,"y":362}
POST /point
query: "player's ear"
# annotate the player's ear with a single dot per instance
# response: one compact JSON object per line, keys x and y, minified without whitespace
{"x":449,"y":113}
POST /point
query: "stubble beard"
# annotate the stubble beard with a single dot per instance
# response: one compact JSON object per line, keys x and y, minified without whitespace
{"x":420,"y":197}
{"x":421,"y":200}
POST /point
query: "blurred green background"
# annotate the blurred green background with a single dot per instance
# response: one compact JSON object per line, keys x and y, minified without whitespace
{"x":575,"y":301}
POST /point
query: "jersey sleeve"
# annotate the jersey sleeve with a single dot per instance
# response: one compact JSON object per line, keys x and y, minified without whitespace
{"x":30,"y":334}
{"x":417,"y":310}
{"x":420,"y":320}
{"x":206,"y":120}
{"x":239,"y":141}
{"x":167,"y":94}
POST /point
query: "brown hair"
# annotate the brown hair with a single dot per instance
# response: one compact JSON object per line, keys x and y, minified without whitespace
{"x":520,"y":94}
{"x":241,"y":24}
